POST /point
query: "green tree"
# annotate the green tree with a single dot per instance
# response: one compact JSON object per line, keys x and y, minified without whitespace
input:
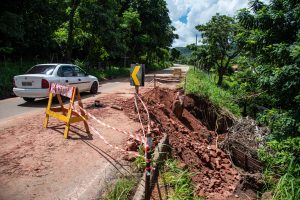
{"x":219,"y":37}
{"x":156,"y":29}
{"x":175,"y":54}
{"x":70,"y":40}
{"x":271,"y":80}
{"x":131,"y":25}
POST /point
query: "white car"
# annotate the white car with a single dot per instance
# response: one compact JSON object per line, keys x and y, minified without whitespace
{"x":35,"y":82}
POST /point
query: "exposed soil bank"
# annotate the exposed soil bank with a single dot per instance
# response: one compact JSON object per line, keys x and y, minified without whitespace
{"x":213,"y":118}
{"x":193,"y":143}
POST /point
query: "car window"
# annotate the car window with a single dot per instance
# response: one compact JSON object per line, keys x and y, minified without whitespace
{"x":41,"y":69}
{"x":66,"y":71}
{"x":78,"y":72}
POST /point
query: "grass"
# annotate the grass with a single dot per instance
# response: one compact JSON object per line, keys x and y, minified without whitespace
{"x":122,"y":189}
{"x":200,"y":83}
{"x":180,"y":181}
{"x":288,"y":188}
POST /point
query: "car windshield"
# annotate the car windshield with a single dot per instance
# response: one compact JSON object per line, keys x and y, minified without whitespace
{"x":41,"y":69}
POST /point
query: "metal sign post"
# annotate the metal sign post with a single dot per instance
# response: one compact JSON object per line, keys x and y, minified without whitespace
{"x":137,"y":79}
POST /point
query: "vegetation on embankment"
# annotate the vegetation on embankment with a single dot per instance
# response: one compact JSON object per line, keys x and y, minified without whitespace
{"x":179,"y":181}
{"x":123,"y":189}
{"x":256,"y":57}
{"x":202,"y":84}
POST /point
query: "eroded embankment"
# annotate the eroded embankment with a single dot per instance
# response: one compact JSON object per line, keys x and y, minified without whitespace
{"x":193,"y":143}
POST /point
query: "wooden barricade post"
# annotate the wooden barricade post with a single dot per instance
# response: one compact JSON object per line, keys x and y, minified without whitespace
{"x":67,"y":115}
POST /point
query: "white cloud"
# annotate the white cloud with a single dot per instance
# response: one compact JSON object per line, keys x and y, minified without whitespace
{"x":198,"y":12}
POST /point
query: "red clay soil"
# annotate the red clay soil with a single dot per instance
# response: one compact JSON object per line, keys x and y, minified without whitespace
{"x":193,"y":144}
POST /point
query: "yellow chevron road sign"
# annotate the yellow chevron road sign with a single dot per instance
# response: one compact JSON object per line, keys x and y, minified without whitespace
{"x":134,"y":75}
{"x":137,"y":72}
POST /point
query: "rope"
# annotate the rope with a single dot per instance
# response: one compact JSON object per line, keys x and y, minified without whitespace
{"x":140,"y":119}
{"x":137,"y":137}
{"x":146,"y":109}
{"x":105,"y":141}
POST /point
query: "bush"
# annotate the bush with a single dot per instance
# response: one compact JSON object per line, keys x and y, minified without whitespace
{"x":282,"y":124}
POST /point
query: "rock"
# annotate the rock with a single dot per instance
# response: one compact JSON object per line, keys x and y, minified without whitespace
{"x":206,"y":158}
{"x":202,"y":192}
{"x":226,"y":161}
{"x":213,"y":153}
{"x":213,"y":147}
{"x":129,"y":157}
{"x":236,"y":196}
{"x":131,"y":146}
{"x":177,"y":108}
{"x":223,"y":178}
{"x":155,"y":130}
{"x":219,"y":152}
{"x":213,"y":160}
{"x":226,"y":166}
{"x":234,"y":172}
{"x":218,"y":166}
{"x":212,"y":183}
{"x":267,"y":196}
{"x":182,"y":166}
{"x":117,"y":107}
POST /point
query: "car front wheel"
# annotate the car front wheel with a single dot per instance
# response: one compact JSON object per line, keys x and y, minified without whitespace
{"x":28,"y":99}
{"x":94,"y":88}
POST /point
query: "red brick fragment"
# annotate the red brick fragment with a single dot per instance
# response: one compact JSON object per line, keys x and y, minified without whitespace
{"x":213,"y":153}
{"x":226,"y":166}
{"x":226,"y":161}
{"x":206,"y":158}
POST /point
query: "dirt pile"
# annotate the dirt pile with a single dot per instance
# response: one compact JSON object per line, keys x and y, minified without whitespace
{"x":192,"y":143}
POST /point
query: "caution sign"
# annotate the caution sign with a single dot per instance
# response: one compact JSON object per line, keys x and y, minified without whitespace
{"x":137,"y":74}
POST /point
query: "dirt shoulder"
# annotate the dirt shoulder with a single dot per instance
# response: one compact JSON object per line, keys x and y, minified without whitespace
{"x":38,"y":163}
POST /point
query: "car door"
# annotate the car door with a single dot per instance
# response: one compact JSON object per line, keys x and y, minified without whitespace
{"x":83,"y":79}
{"x":67,"y":76}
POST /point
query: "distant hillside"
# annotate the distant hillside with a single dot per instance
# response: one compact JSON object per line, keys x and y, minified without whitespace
{"x":184,"y":51}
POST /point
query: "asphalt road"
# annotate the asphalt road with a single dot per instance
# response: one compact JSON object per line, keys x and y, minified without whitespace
{"x":13,"y":107}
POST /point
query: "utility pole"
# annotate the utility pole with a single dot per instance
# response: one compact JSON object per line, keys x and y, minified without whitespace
{"x":196,"y":39}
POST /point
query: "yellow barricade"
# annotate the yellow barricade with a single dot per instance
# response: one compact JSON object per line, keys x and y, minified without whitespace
{"x":178,"y":72}
{"x":61,"y":113}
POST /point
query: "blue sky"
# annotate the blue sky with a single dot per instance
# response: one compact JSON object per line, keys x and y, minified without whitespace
{"x":186,"y":14}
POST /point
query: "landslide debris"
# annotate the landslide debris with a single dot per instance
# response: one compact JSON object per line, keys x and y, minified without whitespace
{"x":193,"y":144}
